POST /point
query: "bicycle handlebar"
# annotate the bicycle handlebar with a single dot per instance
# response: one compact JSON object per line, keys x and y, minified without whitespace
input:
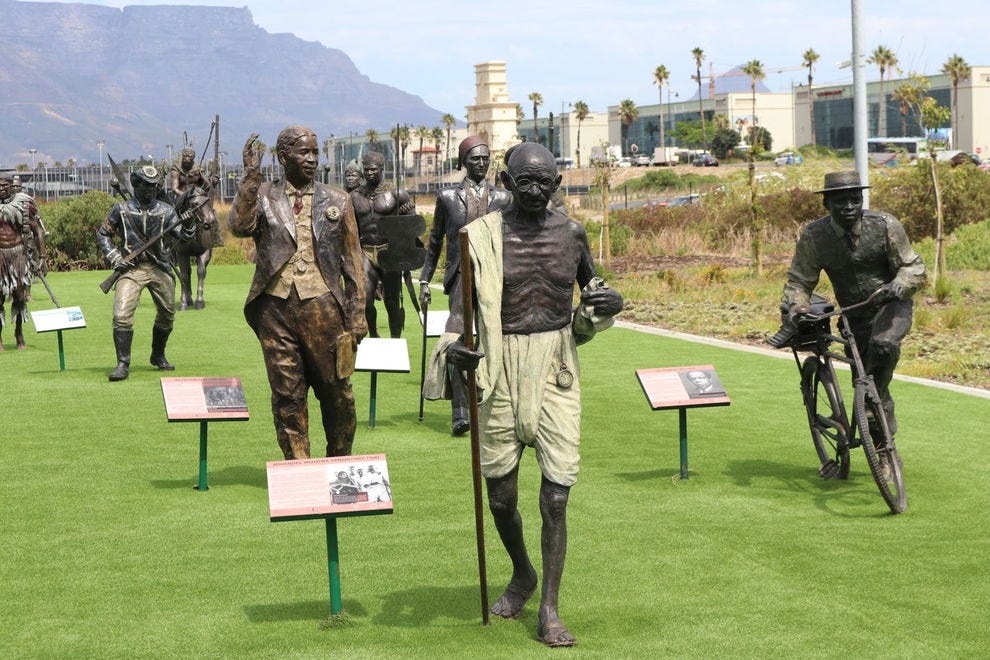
{"x":812,"y":318}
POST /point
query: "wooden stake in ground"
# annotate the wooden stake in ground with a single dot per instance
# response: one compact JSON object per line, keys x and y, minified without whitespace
{"x":467,"y":293}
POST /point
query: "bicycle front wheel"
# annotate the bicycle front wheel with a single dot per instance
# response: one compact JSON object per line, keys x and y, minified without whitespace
{"x":826,"y":417}
{"x":878,"y":444}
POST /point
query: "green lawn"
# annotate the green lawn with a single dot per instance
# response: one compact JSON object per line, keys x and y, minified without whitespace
{"x":108,"y":551}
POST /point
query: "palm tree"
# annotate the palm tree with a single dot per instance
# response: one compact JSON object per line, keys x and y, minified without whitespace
{"x":448,"y":123}
{"x":628,"y":113}
{"x":904,"y":96}
{"x":699,"y":57}
{"x":660,"y":76}
{"x":754,"y":69}
{"x":421,"y":133}
{"x":372,"y":136}
{"x":404,"y":136}
{"x":580,"y":113}
{"x":537,"y":100}
{"x":810,"y":57}
{"x":885,"y":60}
{"x":437,"y":134}
{"x":957,"y":69}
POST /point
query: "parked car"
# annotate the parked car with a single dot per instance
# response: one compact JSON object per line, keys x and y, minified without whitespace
{"x":625,"y":161}
{"x":705,"y":160}
{"x":788,"y":158}
{"x":642,"y":160}
{"x":684,"y":200}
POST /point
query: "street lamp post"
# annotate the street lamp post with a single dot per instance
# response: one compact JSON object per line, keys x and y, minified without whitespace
{"x":99,"y":145}
{"x":32,"y":152}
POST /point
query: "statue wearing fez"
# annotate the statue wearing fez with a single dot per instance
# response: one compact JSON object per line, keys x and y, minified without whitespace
{"x":862,"y":252}
{"x":306,"y":302}
{"x":457,"y":206}
{"x":527,"y":259}
{"x":133,"y":222}
{"x":372,"y":200}
{"x":22,"y":254}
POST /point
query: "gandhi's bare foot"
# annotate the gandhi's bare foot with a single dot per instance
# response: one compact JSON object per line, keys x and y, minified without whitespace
{"x":554,"y":634}
{"x":511,"y":604}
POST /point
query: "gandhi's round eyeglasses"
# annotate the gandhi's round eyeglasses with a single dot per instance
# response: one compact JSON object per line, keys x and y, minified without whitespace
{"x":523,"y":184}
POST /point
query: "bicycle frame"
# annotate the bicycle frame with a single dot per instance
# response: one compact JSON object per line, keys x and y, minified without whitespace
{"x":818,"y":380}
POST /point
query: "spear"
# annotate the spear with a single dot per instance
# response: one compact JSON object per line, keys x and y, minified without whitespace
{"x":467,"y":293}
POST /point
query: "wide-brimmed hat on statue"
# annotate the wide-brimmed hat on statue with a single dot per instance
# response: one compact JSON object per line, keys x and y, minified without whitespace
{"x":145,"y":174}
{"x":836,"y":181}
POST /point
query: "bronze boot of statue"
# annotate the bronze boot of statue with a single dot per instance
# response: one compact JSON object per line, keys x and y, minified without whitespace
{"x":159,"y":337}
{"x":122,"y":343}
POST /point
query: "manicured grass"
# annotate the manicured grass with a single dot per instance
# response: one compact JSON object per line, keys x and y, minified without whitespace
{"x":108,"y":551}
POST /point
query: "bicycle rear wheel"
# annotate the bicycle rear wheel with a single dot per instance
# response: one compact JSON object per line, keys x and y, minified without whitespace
{"x":826,"y":417}
{"x":878,"y":444}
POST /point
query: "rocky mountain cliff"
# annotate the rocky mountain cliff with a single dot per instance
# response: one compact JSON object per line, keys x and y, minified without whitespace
{"x":137,"y":77}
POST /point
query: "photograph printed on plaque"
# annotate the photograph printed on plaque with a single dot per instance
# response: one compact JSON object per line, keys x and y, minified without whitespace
{"x":702,"y":383}
{"x":338,"y":486}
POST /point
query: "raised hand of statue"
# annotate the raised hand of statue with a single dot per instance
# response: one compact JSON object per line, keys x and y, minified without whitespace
{"x":252,"y":160}
{"x":425,"y":297}
{"x":462,"y":357}
{"x":606,"y":301}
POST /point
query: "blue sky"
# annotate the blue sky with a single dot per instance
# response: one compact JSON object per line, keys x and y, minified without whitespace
{"x":603,"y":52}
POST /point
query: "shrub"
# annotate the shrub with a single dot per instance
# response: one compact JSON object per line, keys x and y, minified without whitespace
{"x":72,"y":223}
{"x":907,"y":194}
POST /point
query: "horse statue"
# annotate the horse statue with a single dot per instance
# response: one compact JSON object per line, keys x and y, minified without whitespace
{"x":208,"y":235}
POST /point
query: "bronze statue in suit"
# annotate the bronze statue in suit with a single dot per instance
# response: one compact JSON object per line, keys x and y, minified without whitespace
{"x":456,"y":206}
{"x":306,"y":302}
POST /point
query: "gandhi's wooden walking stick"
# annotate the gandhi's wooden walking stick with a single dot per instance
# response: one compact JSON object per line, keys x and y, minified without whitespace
{"x":467,"y":292}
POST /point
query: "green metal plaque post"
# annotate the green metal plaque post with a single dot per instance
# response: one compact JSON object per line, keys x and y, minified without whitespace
{"x":333,"y":565}
{"x":374,"y":395}
{"x":202,"y":457}
{"x":61,"y":352}
{"x":682,"y":418}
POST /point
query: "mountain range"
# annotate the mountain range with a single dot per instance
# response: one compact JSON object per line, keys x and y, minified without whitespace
{"x":139,"y":78}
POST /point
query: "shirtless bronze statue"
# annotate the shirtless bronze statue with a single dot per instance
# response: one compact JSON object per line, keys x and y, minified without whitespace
{"x":527,"y":367}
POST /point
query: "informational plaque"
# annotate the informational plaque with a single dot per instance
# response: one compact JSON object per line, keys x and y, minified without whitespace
{"x":436,"y":322}
{"x":62,"y":318}
{"x":380,"y":354}
{"x":335,"y":486}
{"x":204,"y":399}
{"x":682,"y":387}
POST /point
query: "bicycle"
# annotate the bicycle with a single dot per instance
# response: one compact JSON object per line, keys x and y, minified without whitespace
{"x":831,"y":432}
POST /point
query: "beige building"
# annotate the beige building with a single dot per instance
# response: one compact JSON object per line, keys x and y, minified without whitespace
{"x":493,"y":115}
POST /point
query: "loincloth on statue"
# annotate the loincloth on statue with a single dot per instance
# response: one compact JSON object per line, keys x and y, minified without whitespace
{"x":372,"y":251}
{"x":528,"y":407}
{"x":15,"y":270}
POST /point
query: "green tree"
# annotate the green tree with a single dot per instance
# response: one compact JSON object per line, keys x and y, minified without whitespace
{"x":724,"y":141}
{"x":810,"y":57}
{"x":372,"y":136}
{"x":660,"y":77}
{"x":628,"y":113}
{"x":930,"y":116}
{"x":537,"y":101}
{"x":689,"y":134}
{"x":957,"y":69}
{"x":886,"y":60}
{"x":699,"y":57}
{"x":72,"y":223}
{"x":580,"y":113}
{"x":903,"y":97}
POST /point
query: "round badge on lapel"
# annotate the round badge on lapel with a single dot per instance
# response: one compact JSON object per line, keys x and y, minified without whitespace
{"x":332,"y":213}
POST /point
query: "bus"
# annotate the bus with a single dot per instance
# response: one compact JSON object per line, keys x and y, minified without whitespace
{"x":896,"y":150}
